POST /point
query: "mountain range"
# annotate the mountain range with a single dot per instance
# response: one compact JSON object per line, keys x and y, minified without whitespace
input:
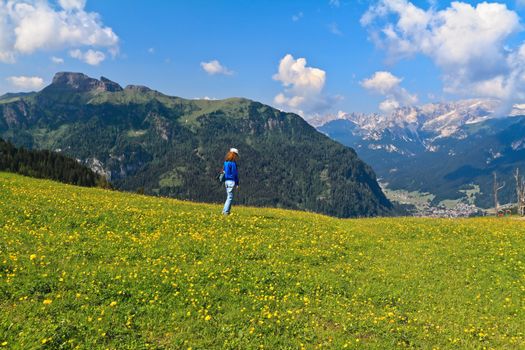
{"x":143,"y":140}
{"x":444,"y":149}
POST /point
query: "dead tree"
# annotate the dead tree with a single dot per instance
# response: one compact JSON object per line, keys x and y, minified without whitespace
{"x":497,"y":188}
{"x":520,"y":192}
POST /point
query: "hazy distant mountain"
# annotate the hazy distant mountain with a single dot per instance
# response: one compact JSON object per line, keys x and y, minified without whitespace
{"x":438,"y":148}
{"x":142,"y":139}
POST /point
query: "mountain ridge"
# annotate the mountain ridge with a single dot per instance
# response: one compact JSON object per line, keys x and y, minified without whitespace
{"x":165,"y":145}
{"x":442,"y":149}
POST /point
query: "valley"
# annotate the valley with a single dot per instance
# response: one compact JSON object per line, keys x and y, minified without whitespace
{"x":440,"y":149}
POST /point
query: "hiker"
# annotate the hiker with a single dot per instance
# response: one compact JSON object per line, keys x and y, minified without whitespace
{"x":231,"y":178}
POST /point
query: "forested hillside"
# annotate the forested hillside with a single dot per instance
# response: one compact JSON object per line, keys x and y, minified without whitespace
{"x":144,"y":140}
{"x":47,"y":165}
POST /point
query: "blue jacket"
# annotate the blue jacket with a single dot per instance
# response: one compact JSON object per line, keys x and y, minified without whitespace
{"x":230,"y":172}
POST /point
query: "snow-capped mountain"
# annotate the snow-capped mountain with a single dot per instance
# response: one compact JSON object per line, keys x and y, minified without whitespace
{"x":441,"y":148}
{"x":422,"y":124}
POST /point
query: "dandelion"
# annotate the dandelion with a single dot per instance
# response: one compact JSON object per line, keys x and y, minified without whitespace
{"x":343,"y":282}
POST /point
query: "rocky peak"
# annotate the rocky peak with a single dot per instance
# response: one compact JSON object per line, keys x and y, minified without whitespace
{"x":82,"y":83}
{"x":110,"y":85}
{"x":138,"y":88}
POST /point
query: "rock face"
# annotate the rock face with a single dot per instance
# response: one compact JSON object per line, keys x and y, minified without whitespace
{"x":109,"y":85}
{"x":80,"y":82}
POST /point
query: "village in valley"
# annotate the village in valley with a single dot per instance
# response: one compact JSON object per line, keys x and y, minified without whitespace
{"x":421,"y":204}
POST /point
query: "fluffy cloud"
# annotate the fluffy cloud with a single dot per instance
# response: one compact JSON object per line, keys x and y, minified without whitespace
{"x":57,"y":60}
{"x":207,"y":98}
{"x":27,"y":26}
{"x":303,"y":86}
{"x":70,"y":5}
{"x":389,"y":105}
{"x":381,"y":82}
{"x":468,"y":43}
{"x":26,"y":83}
{"x":334,"y":29}
{"x":388,"y":85}
{"x":215,"y":67}
{"x":297,"y":17}
{"x":294,"y":73}
{"x":91,"y":57}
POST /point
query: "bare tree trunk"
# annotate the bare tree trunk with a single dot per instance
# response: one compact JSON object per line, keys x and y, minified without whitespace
{"x":497,"y":187}
{"x":495,"y":193}
{"x":520,"y":192}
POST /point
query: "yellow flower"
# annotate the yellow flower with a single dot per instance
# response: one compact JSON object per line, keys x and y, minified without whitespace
{"x":207,"y":318}
{"x":32,"y":257}
{"x":47,"y":301}
{"x":113,"y":303}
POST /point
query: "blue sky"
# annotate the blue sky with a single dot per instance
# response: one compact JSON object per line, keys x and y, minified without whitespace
{"x":311,"y":57}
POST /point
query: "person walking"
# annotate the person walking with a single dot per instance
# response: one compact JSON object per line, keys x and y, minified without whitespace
{"x":231,"y":178}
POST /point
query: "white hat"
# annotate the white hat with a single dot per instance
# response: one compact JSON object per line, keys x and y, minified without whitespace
{"x":234,"y":150}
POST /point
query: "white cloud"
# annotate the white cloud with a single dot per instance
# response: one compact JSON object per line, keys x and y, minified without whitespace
{"x":151,"y":50}
{"x":91,"y":57}
{"x":468,"y":43}
{"x":294,"y":73}
{"x":35,"y":25}
{"x":388,"y":85}
{"x":26,"y":83}
{"x":303,"y":87}
{"x":334,"y":29}
{"x":389,"y":105}
{"x":72,"y":4}
{"x":297,"y":17}
{"x":207,"y":98}
{"x":57,"y":60}
{"x":382,"y":82}
{"x":334,"y":3}
{"x":215,"y":67}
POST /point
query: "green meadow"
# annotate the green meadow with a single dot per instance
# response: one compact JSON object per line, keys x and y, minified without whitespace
{"x":84,"y":268}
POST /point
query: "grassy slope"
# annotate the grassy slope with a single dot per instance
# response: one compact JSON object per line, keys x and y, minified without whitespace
{"x":103,"y":269}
